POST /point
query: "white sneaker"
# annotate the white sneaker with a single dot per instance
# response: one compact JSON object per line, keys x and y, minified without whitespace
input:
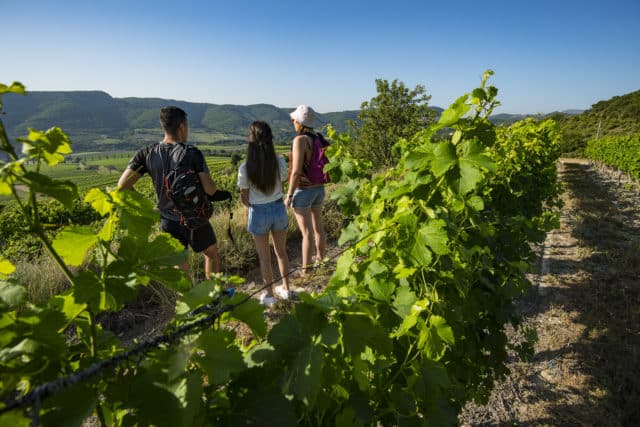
{"x":266,"y":300}
{"x":282,"y":293}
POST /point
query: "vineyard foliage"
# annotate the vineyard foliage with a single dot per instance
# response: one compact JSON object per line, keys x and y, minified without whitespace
{"x":410,"y":327}
{"x":619,"y":152}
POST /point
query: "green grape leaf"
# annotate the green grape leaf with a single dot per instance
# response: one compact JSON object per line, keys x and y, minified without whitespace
{"x":404,"y":300}
{"x":99,"y":200}
{"x":473,"y":153}
{"x":202,"y":293}
{"x":306,"y":375}
{"x":430,"y":343}
{"x":148,"y":400}
{"x":476,"y":203}
{"x":445,"y":158}
{"x":137,"y":213}
{"x":435,"y":236}
{"x":25,"y":347}
{"x":63,"y":191}
{"x":16,"y":87}
{"x":469,"y":176}
{"x":451,"y":115}
{"x":15,"y":418}
{"x":6,"y":267}
{"x":5,"y":187}
{"x":221,"y":357}
{"x":420,"y":158}
{"x":66,"y":303}
{"x":409,"y":320}
{"x":381,"y":289}
{"x":421,"y":254}
{"x":350,"y":233}
{"x":442,"y":328}
{"x":330,"y":335}
{"x":108,"y":229}
{"x":70,"y":407}
{"x":343,"y":266}
{"x":73,"y":243}
{"x":286,"y":336}
{"x":11,"y":294}
{"x":163,"y":250}
{"x":376,"y":268}
{"x":51,"y":145}
{"x":251,"y":313}
{"x":88,"y":290}
{"x":264,"y":406}
{"x":259,"y":355}
{"x":477,"y":95}
{"x":192,"y":396}
{"x":356,"y":332}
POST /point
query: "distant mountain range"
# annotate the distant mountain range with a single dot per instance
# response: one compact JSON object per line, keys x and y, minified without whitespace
{"x":96,"y":121}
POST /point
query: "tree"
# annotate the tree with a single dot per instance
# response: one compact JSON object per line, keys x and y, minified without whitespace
{"x":396,"y":112}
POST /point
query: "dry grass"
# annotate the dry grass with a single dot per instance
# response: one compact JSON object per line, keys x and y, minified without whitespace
{"x":42,"y":278}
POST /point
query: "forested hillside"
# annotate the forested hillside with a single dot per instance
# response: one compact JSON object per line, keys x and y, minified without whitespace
{"x":619,"y":115}
{"x":96,"y":121}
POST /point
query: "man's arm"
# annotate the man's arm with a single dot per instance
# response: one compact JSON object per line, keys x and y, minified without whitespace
{"x":128,"y":179}
{"x":207,"y":183}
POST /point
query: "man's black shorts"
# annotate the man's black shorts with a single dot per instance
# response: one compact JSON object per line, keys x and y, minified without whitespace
{"x":199,"y":240}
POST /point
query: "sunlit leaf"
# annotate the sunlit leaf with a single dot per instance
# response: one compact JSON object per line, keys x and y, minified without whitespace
{"x":51,"y":145}
{"x":99,"y":200}
{"x":73,"y":243}
{"x":15,"y":87}
{"x":6,"y":267}
{"x":442,"y":328}
{"x":455,"y":111}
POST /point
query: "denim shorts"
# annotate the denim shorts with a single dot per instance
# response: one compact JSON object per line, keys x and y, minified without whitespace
{"x":267,"y":217}
{"x":311,"y":197}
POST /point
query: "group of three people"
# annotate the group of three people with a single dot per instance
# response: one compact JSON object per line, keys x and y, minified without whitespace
{"x":260,"y":180}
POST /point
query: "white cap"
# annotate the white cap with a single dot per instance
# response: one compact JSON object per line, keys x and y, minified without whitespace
{"x":303,"y":115}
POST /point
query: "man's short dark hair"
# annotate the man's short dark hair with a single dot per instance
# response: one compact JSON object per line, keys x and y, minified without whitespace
{"x":171,"y":118}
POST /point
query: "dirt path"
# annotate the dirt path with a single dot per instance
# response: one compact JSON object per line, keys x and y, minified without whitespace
{"x":585,"y":306}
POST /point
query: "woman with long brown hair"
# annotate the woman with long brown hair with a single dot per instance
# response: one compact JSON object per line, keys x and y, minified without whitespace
{"x":260,"y":181}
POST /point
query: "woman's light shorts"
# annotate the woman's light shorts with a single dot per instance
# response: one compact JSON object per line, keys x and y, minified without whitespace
{"x":267,"y":217}
{"x":311,"y":197}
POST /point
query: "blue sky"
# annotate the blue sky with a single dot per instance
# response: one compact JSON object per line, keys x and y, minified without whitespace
{"x":547,"y":55}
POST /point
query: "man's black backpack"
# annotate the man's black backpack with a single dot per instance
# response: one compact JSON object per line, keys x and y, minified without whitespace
{"x":183,"y":187}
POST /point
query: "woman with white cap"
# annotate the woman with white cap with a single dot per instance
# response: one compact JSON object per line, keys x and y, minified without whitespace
{"x":304,"y":195}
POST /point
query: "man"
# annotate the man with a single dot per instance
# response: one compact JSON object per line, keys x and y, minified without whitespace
{"x":156,"y":159}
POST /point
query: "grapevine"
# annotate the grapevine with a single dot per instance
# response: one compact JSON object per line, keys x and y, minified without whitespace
{"x":410,"y":327}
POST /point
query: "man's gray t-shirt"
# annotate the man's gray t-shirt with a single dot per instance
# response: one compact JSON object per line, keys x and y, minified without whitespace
{"x":157,"y":160}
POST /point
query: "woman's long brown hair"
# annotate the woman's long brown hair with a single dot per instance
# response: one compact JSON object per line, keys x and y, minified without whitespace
{"x":262,"y":164}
